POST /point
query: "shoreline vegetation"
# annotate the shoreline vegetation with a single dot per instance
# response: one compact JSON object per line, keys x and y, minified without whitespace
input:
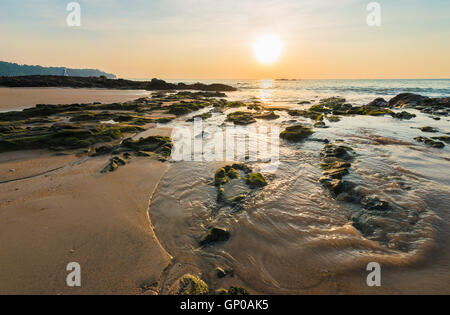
{"x":105,"y":83}
{"x":103,"y":143}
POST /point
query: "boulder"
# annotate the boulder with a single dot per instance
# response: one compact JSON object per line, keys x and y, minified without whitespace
{"x":378,"y":102}
{"x":255,"y":180}
{"x":296,"y":133}
{"x":406,"y":100}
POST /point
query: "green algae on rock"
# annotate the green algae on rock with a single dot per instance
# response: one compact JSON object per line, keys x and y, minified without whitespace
{"x":220,"y":177}
{"x":430,"y":142}
{"x":59,"y":139}
{"x":191,"y":285}
{"x":224,"y":174}
{"x":241,"y":118}
{"x":233,"y":291}
{"x":184,"y":108}
{"x":114,"y":164}
{"x":446,"y":139}
{"x":156,"y":144}
{"x":202,"y":116}
{"x":403,"y":115}
{"x":255,"y":180}
{"x":237,"y":199}
{"x":296,"y":133}
{"x":268,"y":116}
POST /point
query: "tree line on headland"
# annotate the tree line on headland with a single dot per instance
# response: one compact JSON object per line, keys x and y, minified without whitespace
{"x":9,"y":69}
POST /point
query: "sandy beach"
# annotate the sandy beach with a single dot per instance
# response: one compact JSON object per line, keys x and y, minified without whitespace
{"x":97,"y":184}
{"x":75,"y":214}
{"x":20,"y":98}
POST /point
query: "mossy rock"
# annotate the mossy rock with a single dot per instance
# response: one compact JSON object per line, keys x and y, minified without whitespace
{"x":430,"y":142}
{"x":164,"y":120}
{"x":111,"y":167}
{"x":241,"y":118}
{"x":238,"y":199}
{"x":238,"y":291}
{"x":214,"y":235}
{"x":333,"y":151}
{"x":224,"y":174}
{"x":143,"y":154}
{"x":268,"y":116}
{"x":235,"y":104}
{"x":296,"y":133}
{"x":375,"y":204}
{"x":336,"y":173}
{"x":235,"y":291}
{"x":428,"y":129}
{"x":446,"y":139}
{"x":403,"y":115}
{"x":255,"y":180}
{"x":191,"y":285}
{"x":333,"y":118}
{"x":114,"y":164}
{"x":319,"y":108}
{"x":320,"y":124}
{"x":104,"y":149}
{"x":220,"y":177}
{"x":220,"y":194}
{"x":59,"y":139}
{"x":202,"y":117}
{"x":89,"y":116}
{"x":184,"y":108}
{"x":119,"y":160}
{"x":295,"y":112}
{"x":335,"y":165}
{"x":233,"y":173}
{"x":335,"y":186}
{"x":156,"y":144}
{"x":242,"y":167}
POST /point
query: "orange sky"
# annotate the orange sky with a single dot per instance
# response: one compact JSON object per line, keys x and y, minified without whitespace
{"x":322,"y":39}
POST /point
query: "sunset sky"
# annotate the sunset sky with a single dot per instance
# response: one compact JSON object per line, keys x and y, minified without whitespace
{"x":181,"y":39}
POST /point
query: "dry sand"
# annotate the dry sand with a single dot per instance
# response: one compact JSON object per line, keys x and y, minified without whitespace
{"x":76,"y":214}
{"x":20,"y":98}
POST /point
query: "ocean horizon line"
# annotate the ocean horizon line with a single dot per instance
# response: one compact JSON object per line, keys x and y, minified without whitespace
{"x":284,"y":79}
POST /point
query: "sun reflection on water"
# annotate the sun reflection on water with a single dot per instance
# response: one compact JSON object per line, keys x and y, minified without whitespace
{"x":265,"y":92}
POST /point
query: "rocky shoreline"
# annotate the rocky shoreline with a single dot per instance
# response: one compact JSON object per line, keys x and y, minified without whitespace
{"x":107,"y":134}
{"x":105,"y":83}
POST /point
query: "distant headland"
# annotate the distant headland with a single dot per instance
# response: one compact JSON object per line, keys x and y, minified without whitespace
{"x":9,"y":69}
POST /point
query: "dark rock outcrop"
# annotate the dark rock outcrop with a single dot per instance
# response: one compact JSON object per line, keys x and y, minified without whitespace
{"x":103,"y":82}
{"x":406,"y":99}
{"x":379,"y":102}
{"x":436,"y":106}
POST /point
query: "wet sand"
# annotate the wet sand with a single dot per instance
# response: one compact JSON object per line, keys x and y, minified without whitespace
{"x":63,"y":210}
{"x":76,"y":214}
{"x":20,"y":98}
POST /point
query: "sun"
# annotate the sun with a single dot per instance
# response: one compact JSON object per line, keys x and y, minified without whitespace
{"x":268,"y":48}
